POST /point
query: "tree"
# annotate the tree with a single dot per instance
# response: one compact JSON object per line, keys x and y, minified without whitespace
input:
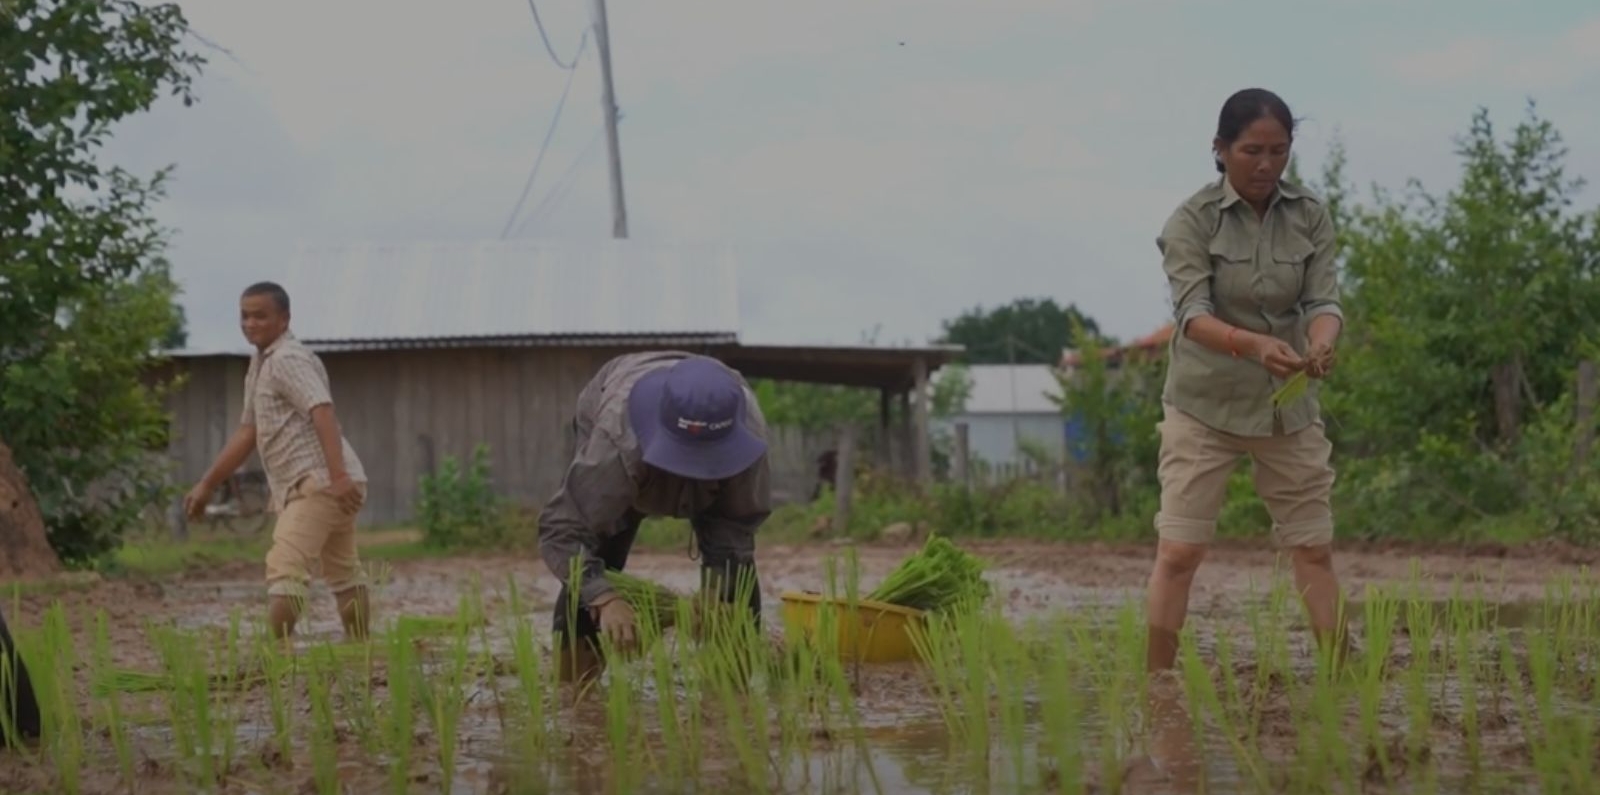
{"x":1025,"y":331}
{"x":1116,"y":408}
{"x":821,"y":406}
{"x":1467,"y":314}
{"x":85,"y":294}
{"x":178,"y":335}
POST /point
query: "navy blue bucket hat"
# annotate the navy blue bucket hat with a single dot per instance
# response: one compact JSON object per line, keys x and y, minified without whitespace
{"x":690,"y":420}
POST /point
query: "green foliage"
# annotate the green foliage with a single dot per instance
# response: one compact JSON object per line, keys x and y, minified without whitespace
{"x":822,"y":406}
{"x":1467,"y":314}
{"x":457,"y":506}
{"x":178,"y":333}
{"x":1453,"y":406}
{"x":815,"y":406}
{"x":1118,"y":404}
{"x":1025,"y":331}
{"x":85,"y":295}
{"x":89,"y":431}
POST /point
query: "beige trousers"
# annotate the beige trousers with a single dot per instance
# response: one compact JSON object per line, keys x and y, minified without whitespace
{"x":313,"y":526}
{"x":1293,"y":477}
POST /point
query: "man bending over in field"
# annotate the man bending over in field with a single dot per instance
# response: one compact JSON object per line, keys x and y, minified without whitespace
{"x":317,"y":482}
{"x":658,"y":434}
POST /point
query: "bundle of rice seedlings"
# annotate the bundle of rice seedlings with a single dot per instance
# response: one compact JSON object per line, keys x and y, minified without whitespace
{"x":1291,"y":390}
{"x":645,"y":596}
{"x":128,"y":680}
{"x":937,"y":578}
{"x":424,"y":626}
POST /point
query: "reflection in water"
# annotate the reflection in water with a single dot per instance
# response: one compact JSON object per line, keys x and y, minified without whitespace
{"x":911,"y":758}
{"x":1172,"y":763}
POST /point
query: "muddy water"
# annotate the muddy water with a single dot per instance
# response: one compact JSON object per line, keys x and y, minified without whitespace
{"x":903,"y":744}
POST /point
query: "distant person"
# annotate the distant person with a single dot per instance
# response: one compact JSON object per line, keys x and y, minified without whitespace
{"x":827,"y":472}
{"x":658,"y":434}
{"x":317,"y":483}
{"x":1250,"y":261}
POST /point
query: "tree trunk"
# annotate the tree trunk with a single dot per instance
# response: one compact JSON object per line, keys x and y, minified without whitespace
{"x":25,"y":551}
{"x":1584,"y":417}
{"x":1507,"y":379}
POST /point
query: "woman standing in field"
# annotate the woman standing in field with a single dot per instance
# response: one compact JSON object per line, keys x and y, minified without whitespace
{"x":1250,"y":261}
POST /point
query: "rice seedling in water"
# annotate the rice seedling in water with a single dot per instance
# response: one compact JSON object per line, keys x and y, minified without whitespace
{"x":399,"y":721}
{"x":111,"y":702}
{"x":1381,"y":615}
{"x":1063,"y":713}
{"x":533,"y":685}
{"x":1045,"y":706}
{"x":278,"y":668}
{"x":443,"y":692}
{"x":324,"y":737}
{"x":50,"y":668}
{"x":188,"y":700}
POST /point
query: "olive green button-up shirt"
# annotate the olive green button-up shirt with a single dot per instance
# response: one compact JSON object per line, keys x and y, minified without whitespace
{"x":1270,"y":275}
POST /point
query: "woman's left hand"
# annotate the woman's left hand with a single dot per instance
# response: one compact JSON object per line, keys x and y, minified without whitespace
{"x":1320,"y":360}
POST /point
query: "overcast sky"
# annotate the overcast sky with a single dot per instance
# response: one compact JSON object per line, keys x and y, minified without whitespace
{"x":875,"y":163}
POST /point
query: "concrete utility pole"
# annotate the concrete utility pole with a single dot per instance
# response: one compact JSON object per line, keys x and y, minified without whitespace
{"x":619,"y":212}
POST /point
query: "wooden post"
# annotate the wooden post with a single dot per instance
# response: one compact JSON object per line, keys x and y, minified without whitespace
{"x":958,"y":464}
{"x":920,"y":447}
{"x":844,"y":480}
{"x":177,"y":520}
{"x":1584,"y":418}
{"x":885,"y":439}
{"x":904,"y":461}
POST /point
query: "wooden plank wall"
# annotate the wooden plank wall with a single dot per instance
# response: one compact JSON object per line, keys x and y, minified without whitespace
{"x":405,"y":411}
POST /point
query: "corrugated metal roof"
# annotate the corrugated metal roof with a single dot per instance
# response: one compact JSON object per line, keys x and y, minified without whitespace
{"x":1012,"y":389}
{"x":541,"y":341}
{"x":437,"y":343}
{"x":483,"y":289}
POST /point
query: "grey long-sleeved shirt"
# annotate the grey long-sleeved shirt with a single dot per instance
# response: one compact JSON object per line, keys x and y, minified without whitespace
{"x":608,"y":476}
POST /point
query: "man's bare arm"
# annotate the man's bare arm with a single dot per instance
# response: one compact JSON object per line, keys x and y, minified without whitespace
{"x":327,"y":425}
{"x":232,"y":456}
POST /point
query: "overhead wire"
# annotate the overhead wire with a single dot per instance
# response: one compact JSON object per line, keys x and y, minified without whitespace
{"x":564,"y":184}
{"x":545,"y":37}
{"x":544,"y":146}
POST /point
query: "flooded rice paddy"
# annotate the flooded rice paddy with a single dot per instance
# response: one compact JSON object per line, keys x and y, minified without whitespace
{"x":1472,"y":673}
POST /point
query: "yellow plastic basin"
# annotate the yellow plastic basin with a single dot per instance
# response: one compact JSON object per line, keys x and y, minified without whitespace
{"x":868,"y":631}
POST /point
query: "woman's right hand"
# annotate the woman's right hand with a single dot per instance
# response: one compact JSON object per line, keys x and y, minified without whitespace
{"x":1279,"y":357}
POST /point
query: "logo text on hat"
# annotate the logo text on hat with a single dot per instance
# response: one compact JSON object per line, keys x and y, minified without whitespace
{"x":697,"y":427}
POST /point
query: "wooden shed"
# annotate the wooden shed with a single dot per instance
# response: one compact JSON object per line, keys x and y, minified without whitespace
{"x":432,"y":350}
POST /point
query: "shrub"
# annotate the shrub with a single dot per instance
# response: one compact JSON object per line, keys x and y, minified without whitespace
{"x":458,"y":507}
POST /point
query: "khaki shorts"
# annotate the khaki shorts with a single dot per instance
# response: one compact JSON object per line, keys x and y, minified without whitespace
{"x":1292,"y":476}
{"x":312,"y":527}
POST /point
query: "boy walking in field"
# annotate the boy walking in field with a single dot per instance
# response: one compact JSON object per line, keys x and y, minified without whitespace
{"x":316,"y":479}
